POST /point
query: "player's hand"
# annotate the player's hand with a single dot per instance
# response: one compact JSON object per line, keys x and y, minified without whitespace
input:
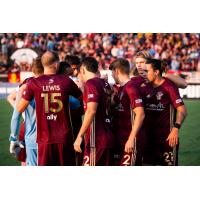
{"x":77,"y":144}
{"x":13,"y":145}
{"x":129,"y":146}
{"x":173,"y":137}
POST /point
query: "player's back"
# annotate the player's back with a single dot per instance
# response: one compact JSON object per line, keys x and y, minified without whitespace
{"x":51,"y":94}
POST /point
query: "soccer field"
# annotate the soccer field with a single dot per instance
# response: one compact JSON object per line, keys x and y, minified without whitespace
{"x":189,"y":153}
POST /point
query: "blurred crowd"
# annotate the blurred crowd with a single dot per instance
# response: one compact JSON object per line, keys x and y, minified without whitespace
{"x":180,"y":50}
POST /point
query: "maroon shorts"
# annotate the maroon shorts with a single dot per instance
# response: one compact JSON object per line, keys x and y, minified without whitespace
{"x":22,"y":154}
{"x":121,"y":158}
{"x":56,"y":155}
{"x":97,"y":157}
{"x":161,"y":154}
{"x":140,"y":144}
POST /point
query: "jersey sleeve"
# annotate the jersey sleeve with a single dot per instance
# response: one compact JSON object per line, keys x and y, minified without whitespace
{"x":74,"y":90}
{"x":92,"y":94}
{"x":134,"y":96}
{"x":174,"y":96}
{"x":28,"y":93}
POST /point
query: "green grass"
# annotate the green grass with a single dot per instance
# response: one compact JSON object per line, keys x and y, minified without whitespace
{"x":6,"y":159}
{"x":189,"y":153}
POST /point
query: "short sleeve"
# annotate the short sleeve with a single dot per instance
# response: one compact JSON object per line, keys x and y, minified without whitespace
{"x":174,"y":96}
{"x":28,"y":93}
{"x":134,"y":96}
{"x":92,"y":94}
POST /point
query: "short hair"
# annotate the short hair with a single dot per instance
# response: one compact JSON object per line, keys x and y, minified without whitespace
{"x":49,"y":58}
{"x":91,"y":64}
{"x":37,"y":67}
{"x":122,"y":64}
{"x":64,"y":68}
{"x":143,"y":54}
{"x":72,"y":60}
{"x":156,"y":64}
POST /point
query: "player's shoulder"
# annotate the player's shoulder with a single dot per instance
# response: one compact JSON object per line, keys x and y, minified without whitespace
{"x":168,"y":84}
{"x":27,"y":80}
{"x":94,"y":82}
{"x":130,"y":86}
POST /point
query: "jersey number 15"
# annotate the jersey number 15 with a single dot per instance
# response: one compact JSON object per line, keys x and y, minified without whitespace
{"x":52,"y":100}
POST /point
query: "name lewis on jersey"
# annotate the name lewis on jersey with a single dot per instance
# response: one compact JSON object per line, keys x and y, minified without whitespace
{"x":47,"y":88}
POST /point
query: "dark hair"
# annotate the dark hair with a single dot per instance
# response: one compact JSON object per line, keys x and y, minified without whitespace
{"x":121,"y":64}
{"x":91,"y":64}
{"x":156,"y":64}
{"x":64,"y":68}
{"x":37,"y":67}
{"x":72,"y":60}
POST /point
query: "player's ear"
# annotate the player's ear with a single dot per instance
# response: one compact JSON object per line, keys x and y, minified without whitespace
{"x":156,"y":72}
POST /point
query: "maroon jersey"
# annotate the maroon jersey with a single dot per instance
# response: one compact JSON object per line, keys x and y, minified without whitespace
{"x":160,"y":103}
{"x":51,"y":93}
{"x":126,"y":100}
{"x":138,"y":80}
{"x":99,"y":134}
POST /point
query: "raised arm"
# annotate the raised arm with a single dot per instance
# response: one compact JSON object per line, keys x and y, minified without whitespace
{"x":177,"y":80}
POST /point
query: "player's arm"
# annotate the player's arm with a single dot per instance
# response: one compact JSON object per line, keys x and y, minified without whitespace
{"x":181,"y":115}
{"x":21,"y":103}
{"x":88,"y":118}
{"x":177,"y":80}
{"x":137,"y":123}
{"x":12,"y":97}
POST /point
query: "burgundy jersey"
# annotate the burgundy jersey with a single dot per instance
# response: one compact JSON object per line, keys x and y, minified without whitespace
{"x":138,"y":80}
{"x":126,"y":100}
{"x":51,"y":93}
{"x":160,"y":105}
{"x":98,"y":135}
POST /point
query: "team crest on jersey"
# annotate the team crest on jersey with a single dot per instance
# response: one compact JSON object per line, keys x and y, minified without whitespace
{"x":159,"y":95}
{"x":51,"y":81}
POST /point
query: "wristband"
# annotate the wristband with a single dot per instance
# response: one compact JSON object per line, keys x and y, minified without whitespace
{"x":177,"y":125}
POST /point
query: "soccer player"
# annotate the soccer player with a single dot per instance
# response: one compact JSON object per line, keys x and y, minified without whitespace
{"x":139,"y":75}
{"x":140,"y":79}
{"x":30,"y":120}
{"x":54,"y":130}
{"x":162,"y":122}
{"x":128,"y":114}
{"x":98,"y":137}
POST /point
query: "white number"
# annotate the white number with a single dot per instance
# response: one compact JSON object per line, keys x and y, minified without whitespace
{"x":127,"y":161}
{"x":87,"y":159}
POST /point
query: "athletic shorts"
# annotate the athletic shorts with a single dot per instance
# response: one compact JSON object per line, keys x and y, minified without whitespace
{"x":56,"y":155}
{"x":160,"y":154}
{"x":121,"y":158}
{"x":97,"y":157}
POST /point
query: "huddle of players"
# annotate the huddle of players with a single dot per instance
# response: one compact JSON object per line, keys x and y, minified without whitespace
{"x":136,"y":122}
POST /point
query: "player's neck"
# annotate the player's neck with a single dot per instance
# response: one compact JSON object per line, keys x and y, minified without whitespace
{"x":159,"y":81}
{"x":49,"y":71}
{"x":90,"y":76}
{"x":123,"y":80}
